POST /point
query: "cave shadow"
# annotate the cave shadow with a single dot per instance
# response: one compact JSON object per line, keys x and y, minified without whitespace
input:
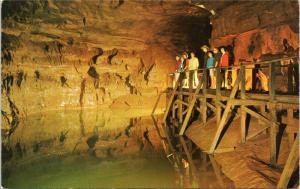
{"x":191,"y":33}
{"x":232,"y":115}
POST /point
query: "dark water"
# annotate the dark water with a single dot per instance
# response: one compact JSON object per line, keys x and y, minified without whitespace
{"x":92,"y":149}
{"x":84,"y":149}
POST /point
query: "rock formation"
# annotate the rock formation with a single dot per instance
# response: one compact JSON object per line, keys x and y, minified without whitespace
{"x":66,"y":54}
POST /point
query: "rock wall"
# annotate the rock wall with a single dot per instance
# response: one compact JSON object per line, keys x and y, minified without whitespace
{"x":254,"y":28}
{"x":67,"y":54}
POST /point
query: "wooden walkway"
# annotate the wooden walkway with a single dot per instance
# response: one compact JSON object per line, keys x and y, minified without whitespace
{"x":267,"y":108}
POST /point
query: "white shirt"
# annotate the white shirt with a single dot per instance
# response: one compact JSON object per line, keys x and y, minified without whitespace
{"x":194,"y":63}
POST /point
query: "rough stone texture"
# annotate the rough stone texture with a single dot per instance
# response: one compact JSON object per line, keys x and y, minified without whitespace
{"x":131,"y":46}
{"x":255,"y":28}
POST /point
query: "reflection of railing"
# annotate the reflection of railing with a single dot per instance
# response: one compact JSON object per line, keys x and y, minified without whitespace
{"x":260,"y":68}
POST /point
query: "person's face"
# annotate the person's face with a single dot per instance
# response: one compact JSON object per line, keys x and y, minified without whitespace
{"x":177,"y":58}
{"x":223,"y":50}
{"x":184,"y":56}
{"x":204,"y":50}
{"x":192,"y":55}
{"x":215,"y":51}
{"x":209,"y":54}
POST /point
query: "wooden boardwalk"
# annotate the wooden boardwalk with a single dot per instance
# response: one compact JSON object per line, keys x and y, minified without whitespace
{"x":266,"y":108}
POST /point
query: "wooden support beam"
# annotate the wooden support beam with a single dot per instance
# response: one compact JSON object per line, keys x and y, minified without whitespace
{"x":204,"y":100}
{"x":257,"y":133}
{"x":181,"y":101}
{"x":211,"y":106}
{"x":243,"y":112}
{"x":258,"y":116}
{"x":217,"y":170}
{"x":172,"y":149}
{"x":218,"y":96}
{"x":188,"y":155}
{"x":273,"y":129}
{"x":156,"y":103}
{"x":225,"y":115}
{"x":190,"y":108}
{"x":180,"y":106}
{"x":172,"y":97}
{"x":290,"y":165}
{"x":156,"y":127}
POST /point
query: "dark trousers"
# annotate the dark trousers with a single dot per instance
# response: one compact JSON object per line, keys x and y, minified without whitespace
{"x":222,"y":77}
{"x":293,"y":74}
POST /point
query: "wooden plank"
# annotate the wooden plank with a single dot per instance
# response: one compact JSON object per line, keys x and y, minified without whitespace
{"x":284,"y":99}
{"x":290,"y":165}
{"x":248,"y":102}
{"x":221,"y":150}
{"x":225,"y":115}
{"x":217,"y":170}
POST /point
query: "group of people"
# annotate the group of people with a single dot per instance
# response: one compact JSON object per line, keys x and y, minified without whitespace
{"x":213,"y":58}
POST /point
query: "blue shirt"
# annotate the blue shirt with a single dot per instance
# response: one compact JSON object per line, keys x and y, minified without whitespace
{"x":210,"y":62}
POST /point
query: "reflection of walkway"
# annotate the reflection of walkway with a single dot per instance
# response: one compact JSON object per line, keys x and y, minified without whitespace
{"x":189,"y":172}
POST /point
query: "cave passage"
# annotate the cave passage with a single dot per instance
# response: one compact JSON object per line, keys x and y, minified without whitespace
{"x":149,"y":94}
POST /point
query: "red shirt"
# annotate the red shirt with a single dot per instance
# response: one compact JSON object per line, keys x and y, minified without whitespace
{"x":224,"y":61}
{"x":187,"y":63}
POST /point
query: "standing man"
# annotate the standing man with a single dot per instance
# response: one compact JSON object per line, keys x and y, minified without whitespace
{"x":178,"y":69}
{"x":217,"y":56}
{"x":224,"y":63}
{"x":194,"y":65}
{"x":205,"y":50}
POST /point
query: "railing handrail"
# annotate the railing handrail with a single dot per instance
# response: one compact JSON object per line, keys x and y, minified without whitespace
{"x":242,"y":63}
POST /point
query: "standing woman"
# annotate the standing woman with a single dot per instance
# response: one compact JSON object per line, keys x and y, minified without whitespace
{"x":210,"y":65}
{"x":186,"y":64}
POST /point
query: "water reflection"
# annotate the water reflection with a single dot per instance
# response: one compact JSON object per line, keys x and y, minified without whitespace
{"x":88,"y":148}
{"x":60,"y":141}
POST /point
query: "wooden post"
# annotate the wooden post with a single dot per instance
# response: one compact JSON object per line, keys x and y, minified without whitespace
{"x":273,"y":129}
{"x":262,"y":109}
{"x":180,"y":97}
{"x":290,"y":118}
{"x":243,"y":113}
{"x":179,"y":81}
{"x":290,"y":165}
{"x":203,"y":100}
{"x":218,"y":95}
